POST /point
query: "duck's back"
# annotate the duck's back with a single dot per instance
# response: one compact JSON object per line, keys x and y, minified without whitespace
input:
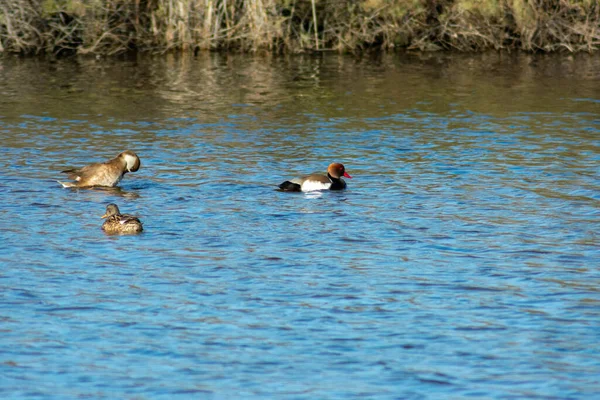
{"x":122,"y":223}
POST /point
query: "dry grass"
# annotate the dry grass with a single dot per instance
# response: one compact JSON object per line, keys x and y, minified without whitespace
{"x":114,"y":26}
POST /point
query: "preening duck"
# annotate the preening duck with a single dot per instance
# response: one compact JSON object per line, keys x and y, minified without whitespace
{"x":108,"y":173}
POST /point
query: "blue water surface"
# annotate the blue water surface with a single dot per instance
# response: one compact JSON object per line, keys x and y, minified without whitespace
{"x":462,"y":261}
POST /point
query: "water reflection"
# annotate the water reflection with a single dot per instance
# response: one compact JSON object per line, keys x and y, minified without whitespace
{"x":113,"y":191}
{"x":206,"y":86}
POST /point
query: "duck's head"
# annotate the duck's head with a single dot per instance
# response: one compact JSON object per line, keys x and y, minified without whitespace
{"x":337,"y":170}
{"x":132,"y":161}
{"x":111,"y":210}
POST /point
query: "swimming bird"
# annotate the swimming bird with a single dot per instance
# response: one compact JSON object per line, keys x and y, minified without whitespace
{"x":120,"y":223}
{"x":332,"y":181}
{"x":108,"y":173}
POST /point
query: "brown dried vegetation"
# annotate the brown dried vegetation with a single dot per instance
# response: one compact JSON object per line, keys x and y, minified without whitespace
{"x":114,"y":26}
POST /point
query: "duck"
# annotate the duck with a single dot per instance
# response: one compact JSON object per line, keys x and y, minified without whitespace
{"x":331,"y":181}
{"x":107,"y":174}
{"x":120,"y":223}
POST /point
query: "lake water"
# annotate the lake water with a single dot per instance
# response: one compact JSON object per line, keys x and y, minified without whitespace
{"x":463,"y":261}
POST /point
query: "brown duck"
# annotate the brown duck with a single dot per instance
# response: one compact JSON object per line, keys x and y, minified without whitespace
{"x":108,"y":173}
{"x":120,"y":223}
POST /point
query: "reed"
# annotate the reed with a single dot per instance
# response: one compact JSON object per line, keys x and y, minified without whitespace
{"x":114,"y":26}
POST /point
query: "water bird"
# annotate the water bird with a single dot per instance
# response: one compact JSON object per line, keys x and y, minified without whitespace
{"x":108,"y":173}
{"x":120,"y":223}
{"x":332,"y":181}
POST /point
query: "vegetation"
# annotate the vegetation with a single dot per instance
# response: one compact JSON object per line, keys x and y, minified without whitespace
{"x":112,"y":26}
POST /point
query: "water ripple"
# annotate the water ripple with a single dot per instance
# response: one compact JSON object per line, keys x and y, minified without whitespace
{"x":461,"y":261}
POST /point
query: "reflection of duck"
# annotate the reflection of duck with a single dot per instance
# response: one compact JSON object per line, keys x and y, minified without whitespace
{"x":120,"y":223}
{"x":108,"y":173}
{"x":115,"y":191}
{"x":332,"y":181}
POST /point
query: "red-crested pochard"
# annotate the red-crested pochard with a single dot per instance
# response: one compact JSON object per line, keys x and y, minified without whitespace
{"x":332,"y":181}
{"x":108,"y":173}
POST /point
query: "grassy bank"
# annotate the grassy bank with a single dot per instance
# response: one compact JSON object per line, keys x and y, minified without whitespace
{"x":114,"y":26}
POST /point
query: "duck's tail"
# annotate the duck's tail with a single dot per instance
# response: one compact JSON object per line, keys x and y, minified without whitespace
{"x":67,"y":184}
{"x":288,"y":186}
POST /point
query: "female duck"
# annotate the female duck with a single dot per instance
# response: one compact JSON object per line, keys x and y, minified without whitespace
{"x":332,"y":181}
{"x":108,"y":173}
{"x":120,"y":223}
